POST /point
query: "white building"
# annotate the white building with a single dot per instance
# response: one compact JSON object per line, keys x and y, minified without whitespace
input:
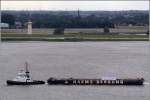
{"x":130,"y":25}
{"x":4,"y":25}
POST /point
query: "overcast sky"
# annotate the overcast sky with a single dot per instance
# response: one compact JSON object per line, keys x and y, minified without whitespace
{"x":75,"y":5}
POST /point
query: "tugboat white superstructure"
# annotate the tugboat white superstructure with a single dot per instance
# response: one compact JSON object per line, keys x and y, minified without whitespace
{"x":23,"y":78}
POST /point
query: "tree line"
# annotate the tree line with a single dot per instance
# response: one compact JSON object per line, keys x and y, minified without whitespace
{"x":79,"y":20}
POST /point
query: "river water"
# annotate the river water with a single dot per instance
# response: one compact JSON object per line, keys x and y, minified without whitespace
{"x":78,"y":60}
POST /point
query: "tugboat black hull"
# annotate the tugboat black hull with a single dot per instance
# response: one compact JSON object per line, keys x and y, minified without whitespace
{"x":35,"y":82}
{"x":54,"y":81}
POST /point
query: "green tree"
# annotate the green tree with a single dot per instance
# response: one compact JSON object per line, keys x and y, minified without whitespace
{"x":147,"y":32}
{"x":106,"y":30}
{"x":8,"y":18}
{"x":59,"y":31}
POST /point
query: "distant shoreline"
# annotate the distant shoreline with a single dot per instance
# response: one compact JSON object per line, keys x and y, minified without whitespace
{"x":71,"y":39}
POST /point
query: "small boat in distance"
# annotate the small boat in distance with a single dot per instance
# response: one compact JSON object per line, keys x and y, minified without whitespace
{"x":23,"y":78}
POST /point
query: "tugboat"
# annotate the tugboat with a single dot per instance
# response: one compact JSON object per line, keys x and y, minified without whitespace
{"x":23,"y":78}
{"x":101,"y":81}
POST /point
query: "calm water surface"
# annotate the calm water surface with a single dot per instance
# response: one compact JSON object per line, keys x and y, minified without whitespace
{"x":78,"y":60}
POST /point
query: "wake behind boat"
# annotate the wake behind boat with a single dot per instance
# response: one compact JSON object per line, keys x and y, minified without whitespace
{"x":23,"y":78}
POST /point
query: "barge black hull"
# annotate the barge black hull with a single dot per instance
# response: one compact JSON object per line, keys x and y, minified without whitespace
{"x":35,"y":82}
{"x":53,"y":81}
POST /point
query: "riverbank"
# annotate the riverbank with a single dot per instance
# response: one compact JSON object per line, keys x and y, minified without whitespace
{"x":44,"y":37}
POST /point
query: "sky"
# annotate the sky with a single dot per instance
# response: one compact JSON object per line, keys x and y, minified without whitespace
{"x":75,"y":5}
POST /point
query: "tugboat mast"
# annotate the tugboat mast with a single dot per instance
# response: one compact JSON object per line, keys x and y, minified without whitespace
{"x":27,"y":71}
